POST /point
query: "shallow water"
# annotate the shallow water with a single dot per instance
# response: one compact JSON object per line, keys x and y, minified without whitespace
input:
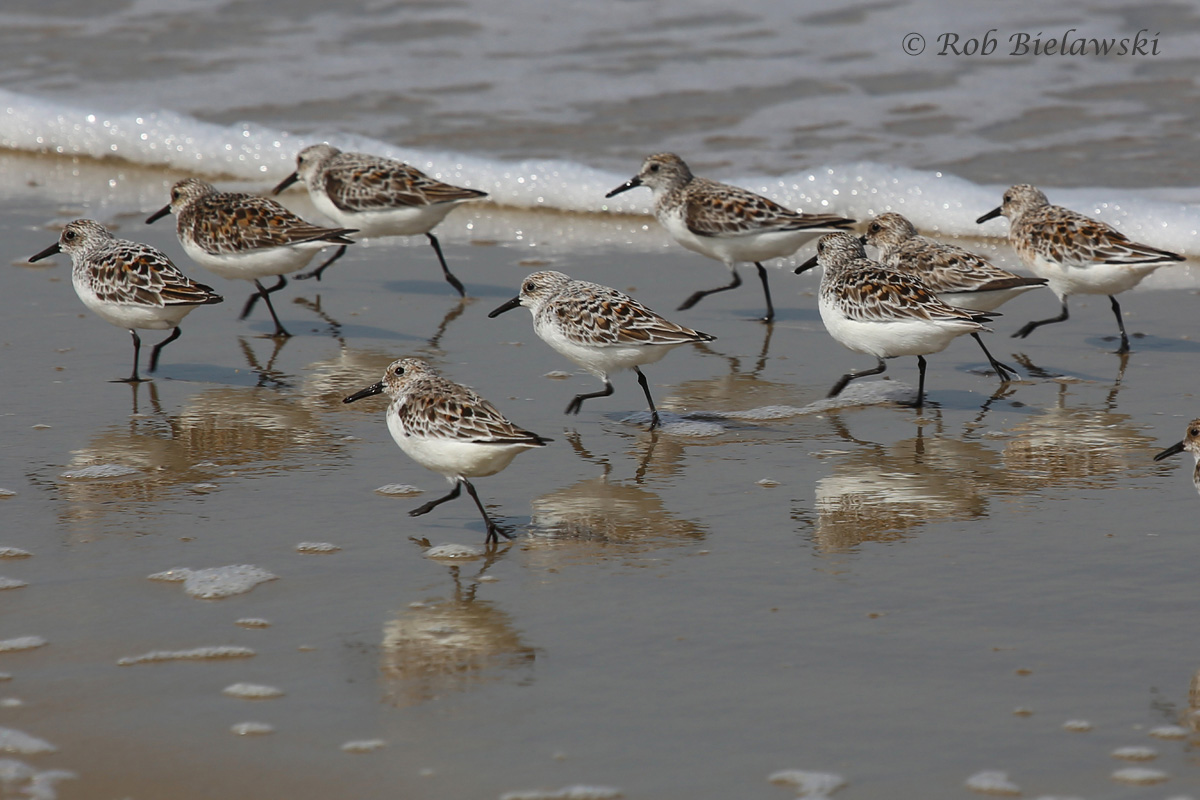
{"x":905,"y":599}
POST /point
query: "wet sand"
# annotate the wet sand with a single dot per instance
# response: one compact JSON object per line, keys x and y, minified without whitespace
{"x":902,"y":598}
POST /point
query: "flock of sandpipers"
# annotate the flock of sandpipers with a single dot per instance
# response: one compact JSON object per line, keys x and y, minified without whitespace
{"x":913,"y":300}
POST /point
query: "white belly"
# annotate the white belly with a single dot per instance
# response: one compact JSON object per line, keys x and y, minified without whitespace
{"x":1068,"y":279}
{"x":153,"y":318}
{"x":601,"y":360}
{"x":454,"y":458}
{"x":401,"y":221}
{"x":254,"y":264}
{"x":892,"y":339}
{"x":741,"y":248}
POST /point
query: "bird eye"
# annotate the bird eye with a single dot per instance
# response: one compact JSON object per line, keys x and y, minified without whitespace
{"x":1008,"y":198}
{"x":530,"y":287}
{"x":69,"y":235}
{"x":399,"y":370}
{"x":874,"y":227}
{"x":1194,"y":432}
{"x":820,"y":247}
{"x":654,"y":167}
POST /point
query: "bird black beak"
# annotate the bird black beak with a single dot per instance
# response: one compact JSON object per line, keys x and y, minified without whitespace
{"x":509,"y":306}
{"x":286,"y":182}
{"x":373,"y":389}
{"x":52,"y":250}
{"x":1174,"y":449}
{"x":807,"y":265}
{"x":632,"y":183}
{"x":995,"y":212}
{"x":157,"y":215}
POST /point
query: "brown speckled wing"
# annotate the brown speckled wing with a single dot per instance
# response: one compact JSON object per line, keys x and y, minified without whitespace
{"x":946,"y":267}
{"x":718,"y":209}
{"x":364,"y":184}
{"x":1069,"y":237}
{"x":601,"y":316}
{"x":870,"y":293}
{"x":139,"y":274}
{"x":231,"y":222}
{"x":439,"y":408}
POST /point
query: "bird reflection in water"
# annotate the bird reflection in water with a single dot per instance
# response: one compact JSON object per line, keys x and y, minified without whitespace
{"x":452,"y":644}
{"x":221,"y":433}
{"x":1074,"y":445}
{"x":884,"y":493}
{"x":586,"y":518}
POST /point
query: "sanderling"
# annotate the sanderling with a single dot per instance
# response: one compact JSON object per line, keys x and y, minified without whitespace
{"x":600,"y":329}
{"x":1191,"y":444}
{"x":243,"y":236}
{"x":725,"y":222}
{"x":1077,"y":254}
{"x":377,"y":196}
{"x":129,"y":284}
{"x":871,"y":309}
{"x":957,"y":276}
{"x":448,"y":428}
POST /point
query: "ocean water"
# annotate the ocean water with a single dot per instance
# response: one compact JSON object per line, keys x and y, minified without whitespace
{"x":771,"y":597}
{"x":548,"y":106}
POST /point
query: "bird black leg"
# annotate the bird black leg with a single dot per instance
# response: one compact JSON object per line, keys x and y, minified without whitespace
{"x":137,"y":351}
{"x":646,"y":388}
{"x":432,"y":504}
{"x":492,"y":528}
{"x":577,"y":403}
{"x":265,"y":293}
{"x":703,"y":293}
{"x":175,"y":334}
{"x":762,"y":276}
{"x":316,"y":273}
{"x":1005,"y":372}
{"x":1124,"y":348}
{"x":920,"y":382}
{"x":1030,"y":327}
{"x":453,"y":281}
{"x":849,"y":376}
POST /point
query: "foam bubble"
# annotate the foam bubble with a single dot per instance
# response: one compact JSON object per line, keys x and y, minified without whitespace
{"x":14,"y":552}
{"x":809,"y":784}
{"x":454,"y":551}
{"x":18,"y":779}
{"x":364,"y":745}
{"x":252,"y":622}
{"x":15,"y":741}
{"x":1077,"y":726}
{"x":992,"y":782}
{"x":251,"y":729}
{"x":317,"y":548}
{"x":11,"y":583}
{"x":398,"y":490}
{"x":1140,"y":776}
{"x":214,"y":653}
{"x":1135,"y":753}
{"x":99,"y":472}
{"x":21,"y":643}
{"x":1169,"y":732}
{"x":252,"y":691}
{"x":216,"y":582}
{"x":7,"y":493}
{"x":578,"y":792}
